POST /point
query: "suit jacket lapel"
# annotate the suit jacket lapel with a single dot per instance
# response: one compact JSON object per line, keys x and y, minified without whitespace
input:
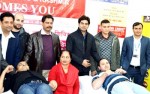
{"x":53,"y":40}
{"x":131,"y":43}
{"x":11,"y":44}
{"x":39,"y":36}
{"x":142,"y":46}
{"x":0,"y":37}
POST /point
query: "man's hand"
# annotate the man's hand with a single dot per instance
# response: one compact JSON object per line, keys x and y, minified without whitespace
{"x":8,"y":69}
{"x":86,"y":63}
{"x":93,"y":73}
{"x":120,"y":71}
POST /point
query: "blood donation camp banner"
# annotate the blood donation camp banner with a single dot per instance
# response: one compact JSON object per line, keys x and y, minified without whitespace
{"x":146,"y":24}
{"x":57,"y":8}
{"x":65,"y":12}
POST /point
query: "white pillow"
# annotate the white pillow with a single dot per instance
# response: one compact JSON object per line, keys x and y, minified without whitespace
{"x":86,"y":87}
{"x":8,"y":92}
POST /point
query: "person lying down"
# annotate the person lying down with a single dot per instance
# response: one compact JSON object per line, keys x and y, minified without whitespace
{"x":115,"y":82}
{"x":29,"y":82}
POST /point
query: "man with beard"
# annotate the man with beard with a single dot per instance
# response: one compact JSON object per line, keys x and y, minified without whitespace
{"x":20,"y":33}
{"x":43,"y":48}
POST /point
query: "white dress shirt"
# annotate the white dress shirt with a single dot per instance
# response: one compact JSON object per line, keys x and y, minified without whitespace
{"x":4,"y":42}
{"x":135,"y":61}
{"x":43,"y":32}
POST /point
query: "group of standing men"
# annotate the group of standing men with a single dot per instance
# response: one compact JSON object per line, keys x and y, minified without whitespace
{"x":86,"y":49}
{"x":41,"y":50}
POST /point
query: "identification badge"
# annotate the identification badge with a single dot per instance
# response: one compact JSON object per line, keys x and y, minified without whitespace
{"x":135,"y":55}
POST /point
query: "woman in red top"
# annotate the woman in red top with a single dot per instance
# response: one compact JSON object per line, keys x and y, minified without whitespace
{"x":63,"y":77}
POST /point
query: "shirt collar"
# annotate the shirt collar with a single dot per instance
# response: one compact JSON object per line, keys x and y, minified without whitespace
{"x":44,"y":33}
{"x":0,"y":30}
{"x":10,"y":33}
{"x":137,"y":39}
{"x":102,"y":37}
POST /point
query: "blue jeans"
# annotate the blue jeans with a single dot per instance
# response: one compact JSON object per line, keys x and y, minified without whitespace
{"x":35,"y":88}
{"x":127,"y":87}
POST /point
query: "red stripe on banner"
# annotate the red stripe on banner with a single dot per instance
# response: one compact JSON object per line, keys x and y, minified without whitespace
{"x":119,"y":31}
{"x":57,"y":8}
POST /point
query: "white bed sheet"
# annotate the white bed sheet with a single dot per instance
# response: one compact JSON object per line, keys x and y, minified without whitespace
{"x":85,"y":86}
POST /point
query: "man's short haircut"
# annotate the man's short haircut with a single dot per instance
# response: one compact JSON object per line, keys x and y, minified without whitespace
{"x":47,"y":16}
{"x":6,"y":14}
{"x":83,"y":17}
{"x":137,"y":23}
{"x":105,"y":21}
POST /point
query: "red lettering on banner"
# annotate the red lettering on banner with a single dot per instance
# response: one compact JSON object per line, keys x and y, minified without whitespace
{"x":57,"y":8}
{"x":61,"y":33}
{"x":63,"y":44}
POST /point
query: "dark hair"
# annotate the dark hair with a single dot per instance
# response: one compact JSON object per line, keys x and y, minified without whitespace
{"x":83,"y":17}
{"x":47,"y":16}
{"x":102,"y":59}
{"x":6,"y":14}
{"x":66,"y":51}
{"x":105,"y":21}
{"x":137,"y":23}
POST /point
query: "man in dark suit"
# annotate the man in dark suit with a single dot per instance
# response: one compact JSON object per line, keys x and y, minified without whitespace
{"x":135,"y":56}
{"x":81,"y":44}
{"x":9,"y":48}
{"x":9,"y":43}
{"x":43,"y":48}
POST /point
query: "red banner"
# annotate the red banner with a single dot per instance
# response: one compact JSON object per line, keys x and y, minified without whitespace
{"x":57,"y":8}
{"x":117,"y":30}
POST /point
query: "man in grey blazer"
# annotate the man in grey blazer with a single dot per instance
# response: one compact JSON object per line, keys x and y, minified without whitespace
{"x":43,"y":48}
{"x":135,"y":56}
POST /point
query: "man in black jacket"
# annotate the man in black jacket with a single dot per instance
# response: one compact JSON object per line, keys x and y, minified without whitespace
{"x":81,"y":44}
{"x":20,"y":33}
{"x":43,"y":49}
